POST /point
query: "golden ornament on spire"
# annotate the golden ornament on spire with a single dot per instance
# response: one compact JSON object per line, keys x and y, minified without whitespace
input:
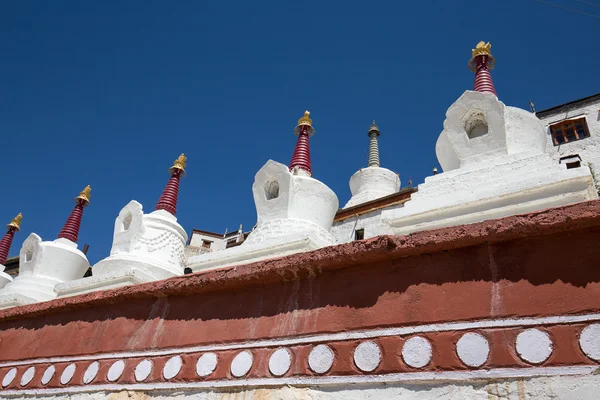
{"x":16,"y":222}
{"x":85,"y":195}
{"x":482,"y":49}
{"x":179,"y":164}
{"x":305,"y":121}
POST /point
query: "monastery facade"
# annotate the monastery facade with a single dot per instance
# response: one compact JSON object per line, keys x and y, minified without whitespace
{"x":460,"y":288}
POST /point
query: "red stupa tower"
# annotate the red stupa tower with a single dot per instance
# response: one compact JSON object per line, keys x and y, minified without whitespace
{"x":482,"y":62}
{"x":301,"y":157}
{"x":6,"y":241}
{"x":168,"y":198}
{"x":71,"y":228}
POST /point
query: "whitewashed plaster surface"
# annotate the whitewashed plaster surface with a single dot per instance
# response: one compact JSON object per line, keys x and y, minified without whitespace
{"x":216,"y":243}
{"x":504,"y":171}
{"x":589,"y":148}
{"x":4,"y":277}
{"x":555,"y":387}
{"x":281,"y":196}
{"x":154,"y":240}
{"x":372,"y":183}
{"x":473,"y":349}
{"x":43,"y":265}
{"x":295,"y":213}
{"x":146,"y":247}
{"x":371,"y":222}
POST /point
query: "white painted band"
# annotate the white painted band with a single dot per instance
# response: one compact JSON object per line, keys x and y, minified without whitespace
{"x":498,"y":373}
{"x":328,"y":338}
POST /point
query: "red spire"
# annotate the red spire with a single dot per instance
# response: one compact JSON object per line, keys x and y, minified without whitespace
{"x":482,"y":62}
{"x":168,"y":198}
{"x":301,"y":157}
{"x":71,"y":228}
{"x":6,"y":241}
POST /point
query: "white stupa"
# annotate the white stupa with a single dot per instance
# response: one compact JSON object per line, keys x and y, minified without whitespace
{"x":374,"y":181}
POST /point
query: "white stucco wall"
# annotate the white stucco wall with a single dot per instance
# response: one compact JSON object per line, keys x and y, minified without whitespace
{"x":372,"y":183}
{"x":343,"y":231}
{"x":216,"y":245}
{"x":589,"y":148}
{"x":555,"y":387}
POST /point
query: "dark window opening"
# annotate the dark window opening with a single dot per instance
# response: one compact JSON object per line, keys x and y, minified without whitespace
{"x":574,"y":164}
{"x":359,"y":234}
{"x":206,"y":244}
{"x":571,"y":161}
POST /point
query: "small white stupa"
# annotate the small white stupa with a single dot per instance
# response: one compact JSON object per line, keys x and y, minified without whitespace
{"x":43,"y":265}
{"x":495,"y":164}
{"x":372,"y":182}
{"x":146,"y":247}
{"x":5,"y":244}
{"x":295,"y":211}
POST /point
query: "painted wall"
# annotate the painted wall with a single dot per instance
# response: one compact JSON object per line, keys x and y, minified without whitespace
{"x":589,"y":148}
{"x":344,"y":231}
{"x":218,"y":243}
{"x":441,"y":312}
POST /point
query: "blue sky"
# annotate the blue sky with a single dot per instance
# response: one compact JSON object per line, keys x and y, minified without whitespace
{"x":109,"y":93}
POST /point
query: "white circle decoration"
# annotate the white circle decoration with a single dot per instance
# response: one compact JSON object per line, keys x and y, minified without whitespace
{"x":143,"y":370}
{"x":116,"y":370}
{"x":367,"y":356}
{"x":473,"y":349}
{"x":206,"y":364}
{"x":589,"y":341}
{"x":48,"y":374}
{"x":280,"y":362}
{"x":320,"y":359}
{"x":27,"y":376}
{"x":417,"y":352}
{"x":172,"y":367}
{"x":9,"y":377}
{"x":91,"y":372}
{"x":241,"y":364}
{"x":534,"y":346}
{"x":68,"y":373}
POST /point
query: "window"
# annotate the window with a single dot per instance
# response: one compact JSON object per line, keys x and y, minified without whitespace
{"x":359,"y":234}
{"x":569,"y":131}
{"x":206,"y":244}
{"x":572,"y":161}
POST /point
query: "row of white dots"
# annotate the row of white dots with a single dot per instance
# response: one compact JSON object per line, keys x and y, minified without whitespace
{"x":532,"y":345}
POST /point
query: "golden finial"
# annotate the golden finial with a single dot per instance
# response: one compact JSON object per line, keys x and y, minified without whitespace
{"x":482,"y":49}
{"x":16,"y":222}
{"x":179,"y":164}
{"x":305,"y":121}
{"x":84,"y":195}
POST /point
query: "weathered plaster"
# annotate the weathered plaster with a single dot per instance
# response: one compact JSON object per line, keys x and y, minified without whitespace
{"x":372,"y":183}
{"x":43,"y":265}
{"x":503,"y":172}
{"x":588,"y":149}
{"x":294,"y":214}
{"x":423,"y":291}
{"x":146,"y":248}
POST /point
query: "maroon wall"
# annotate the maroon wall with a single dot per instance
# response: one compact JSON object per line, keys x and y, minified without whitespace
{"x":539,"y":264}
